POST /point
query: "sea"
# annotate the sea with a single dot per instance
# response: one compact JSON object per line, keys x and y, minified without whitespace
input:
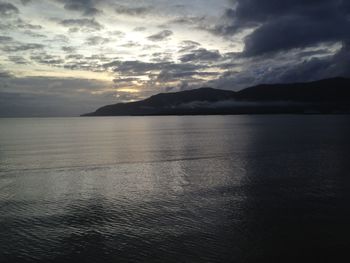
{"x":254,"y":188}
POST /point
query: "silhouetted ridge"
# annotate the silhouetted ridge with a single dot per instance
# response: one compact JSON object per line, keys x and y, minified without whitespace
{"x":201,"y":94}
{"x":323,"y":96}
{"x":334,"y":89}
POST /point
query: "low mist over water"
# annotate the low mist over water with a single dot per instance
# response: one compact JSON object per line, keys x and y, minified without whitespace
{"x":175,"y":189}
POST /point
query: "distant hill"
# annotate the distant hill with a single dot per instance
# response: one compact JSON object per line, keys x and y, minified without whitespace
{"x":323,"y":96}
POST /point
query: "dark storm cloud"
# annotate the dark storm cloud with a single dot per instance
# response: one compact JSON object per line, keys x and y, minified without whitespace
{"x":201,"y":55}
{"x":8,"y":9}
{"x":285,"y":41}
{"x":86,"y":7}
{"x":302,"y":32}
{"x":163,"y":35}
{"x":319,"y":67}
{"x":85,"y":25}
{"x":286,"y":25}
{"x":292,"y":67}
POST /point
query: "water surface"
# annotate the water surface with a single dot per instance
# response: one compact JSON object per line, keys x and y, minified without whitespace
{"x":175,"y":189}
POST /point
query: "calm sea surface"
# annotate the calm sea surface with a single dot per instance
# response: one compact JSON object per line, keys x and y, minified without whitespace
{"x":175,"y":189}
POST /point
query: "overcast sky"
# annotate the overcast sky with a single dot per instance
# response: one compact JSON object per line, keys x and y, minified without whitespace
{"x":67,"y":57}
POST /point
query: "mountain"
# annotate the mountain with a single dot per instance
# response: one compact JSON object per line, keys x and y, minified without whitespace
{"x":323,"y":96}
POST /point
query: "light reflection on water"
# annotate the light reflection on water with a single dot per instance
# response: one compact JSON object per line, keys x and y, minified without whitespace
{"x":175,"y":189}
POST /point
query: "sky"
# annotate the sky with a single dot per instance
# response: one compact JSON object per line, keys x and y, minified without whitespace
{"x":68,"y":57}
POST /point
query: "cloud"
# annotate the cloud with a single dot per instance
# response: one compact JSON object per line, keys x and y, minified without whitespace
{"x":86,"y":7}
{"x":287,"y":68}
{"x":47,"y":59}
{"x":280,"y":27}
{"x":292,"y":41}
{"x":193,"y":20}
{"x":96,"y":40}
{"x":16,"y":25}
{"x":33,"y":34}
{"x":152,"y":76}
{"x":318,"y":67}
{"x":133,"y":67}
{"x":163,"y":35}
{"x":60,"y":39}
{"x":18,"y":60}
{"x":75,"y":56}
{"x":188,"y":45}
{"x":159,"y":75}
{"x":137,"y":68}
{"x":8,"y":10}
{"x":125,"y":82}
{"x":84,"y":65}
{"x":21,"y":24}
{"x":132,"y":11}
{"x":201,"y":55}
{"x":93,"y":63}
{"x":18,"y":47}
{"x":5,"y":39}
{"x":9,"y":45}
{"x":302,"y":32}
{"x":98,"y":57}
{"x":162,"y":57}
{"x":139,"y":29}
{"x":5,"y":74}
{"x":84,"y":25}
{"x":131,"y":44}
{"x":175,"y":75}
{"x":116,"y":33}
{"x":25,"y":2}
{"x":68,"y":49}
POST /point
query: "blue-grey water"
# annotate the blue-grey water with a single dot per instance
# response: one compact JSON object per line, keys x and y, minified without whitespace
{"x":175,"y":189}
